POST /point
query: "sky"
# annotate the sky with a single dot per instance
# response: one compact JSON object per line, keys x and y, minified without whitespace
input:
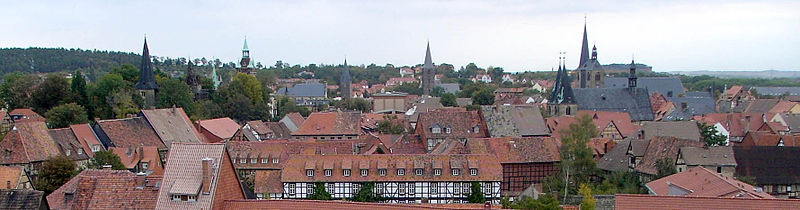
{"x":516,"y":35}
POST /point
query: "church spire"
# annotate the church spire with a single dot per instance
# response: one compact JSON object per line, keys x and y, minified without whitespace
{"x":245,"y":49}
{"x":632,"y":75}
{"x":428,"y":62}
{"x":562,"y":90}
{"x":147,"y":80}
{"x":594,"y":52}
{"x":428,"y":72}
{"x":584,"y":47}
{"x":345,"y":82}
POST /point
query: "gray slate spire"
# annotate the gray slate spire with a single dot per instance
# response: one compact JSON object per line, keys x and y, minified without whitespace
{"x":584,"y":48}
{"x":428,"y":62}
{"x":562,"y":90}
{"x":147,"y":79}
{"x":428,"y":72}
{"x":345,"y":82}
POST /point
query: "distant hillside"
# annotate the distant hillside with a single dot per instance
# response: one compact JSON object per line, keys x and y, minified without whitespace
{"x":47,"y":60}
{"x":742,"y":74}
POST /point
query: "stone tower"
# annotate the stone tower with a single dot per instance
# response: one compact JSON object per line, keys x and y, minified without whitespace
{"x":428,"y":72}
{"x":146,"y":86}
{"x":345,"y":82}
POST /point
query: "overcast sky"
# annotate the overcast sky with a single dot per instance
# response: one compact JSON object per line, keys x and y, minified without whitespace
{"x":515,"y":35}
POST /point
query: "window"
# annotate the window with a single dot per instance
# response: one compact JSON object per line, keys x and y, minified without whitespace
{"x":364,"y":172}
{"x":176,"y":197}
{"x":401,"y":172}
{"x":401,"y":188}
{"x":95,"y":148}
{"x":292,"y":189}
{"x":328,"y":172}
{"x":264,"y":161}
{"x":473,"y":171}
{"x":719,"y":169}
{"x":242,"y":161}
{"x":192,"y":198}
{"x":275,"y":161}
{"x":309,"y":172}
{"x":412,"y":188}
{"x":80,"y":151}
{"x":476,"y":129}
{"x":436,"y":130}
{"x":68,"y":152}
{"x":418,"y":172}
{"x":434,"y":188}
{"x":455,"y":172}
{"x":329,"y":187}
{"x":456,"y":188}
{"x":447,"y":130}
{"x":252,"y":161}
{"x":144,"y":166}
{"x":309,"y":188}
{"x":487,"y":188}
{"x":466,"y":188}
{"x":381,"y":172}
{"x":355,"y":188}
{"x":346,"y":172}
{"x":437,"y":172}
{"x":379,"y":191}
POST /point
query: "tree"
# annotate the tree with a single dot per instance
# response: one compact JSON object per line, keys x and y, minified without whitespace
{"x":122,"y":104}
{"x":711,"y":136}
{"x":483,"y":97}
{"x":78,"y":88}
{"x":545,"y":202}
{"x":17,"y":88}
{"x":128,"y":72}
{"x":588,"y":202}
{"x":103,"y":158}
{"x":173,"y":92}
{"x":319,"y":192}
{"x":437,"y":91}
{"x":238,"y":108}
{"x":496,"y":73}
{"x":410,"y":88}
{"x":206,"y":109}
{"x":247,"y":85}
{"x":390,"y":125}
{"x":55,"y":171}
{"x":366,"y":194}
{"x":64,"y":115}
{"x":476,"y":195}
{"x":665,"y":167}
{"x":52,"y":92}
{"x":357,"y":104}
{"x":577,"y":162}
{"x":448,"y":100}
{"x":104,"y":91}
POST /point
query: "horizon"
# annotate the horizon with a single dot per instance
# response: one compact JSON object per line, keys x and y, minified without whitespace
{"x":517,"y":36}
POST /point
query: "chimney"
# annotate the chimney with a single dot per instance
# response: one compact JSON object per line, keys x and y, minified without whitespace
{"x":747,"y":123}
{"x":207,"y":167}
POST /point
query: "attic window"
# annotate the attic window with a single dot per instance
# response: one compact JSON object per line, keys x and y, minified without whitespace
{"x":274,"y":160}
{"x":69,"y":152}
{"x":95,"y":148}
{"x":473,"y":171}
{"x":310,"y":173}
{"x":436,"y":130}
{"x":476,"y":129}
{"x":264,"y":160}
{"x":447,"y":130}
{"x":80,"y":151}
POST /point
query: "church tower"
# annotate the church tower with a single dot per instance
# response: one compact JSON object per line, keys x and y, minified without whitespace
{"x":590,"y":73}
{"x":245,"y":65}
{"x":632,"y":76}
{"x":428,"y":72}
{"x":345,"y":82}
{"x":214,"y":77}
{"x":146,"y":86}
{"x":562,"y":99}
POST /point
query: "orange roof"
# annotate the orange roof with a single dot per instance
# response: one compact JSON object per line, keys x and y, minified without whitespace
{"x":338,"y":205}
{"x":223,"y":128}
{"x":733,"y":90}
{"x":10,"y":175}
{"x":86,"y":137}
{"x":106,"y":189}
{"x":25,"y":115}
{"x":517,"y":149}
{"x":28,"y":143}
{"x":622,"y":120}
{"x":330,"y":123}
{"x":651,"y":202}
{"x":783,"y":107}
{"x":701,"y":182}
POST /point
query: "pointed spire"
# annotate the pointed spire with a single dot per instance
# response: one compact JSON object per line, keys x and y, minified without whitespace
{"x":428,"y":61}
{"x":147,"y":80}
{"x":245,"y":44}
{"x":216,"y":79}
{"x":345,"y":82}
{"x":584,"y":47}
{"x":594,"y":52}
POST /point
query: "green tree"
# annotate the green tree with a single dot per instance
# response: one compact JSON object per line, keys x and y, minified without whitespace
{"x":410,"y":88}
{"x":711,"y":136}
{"x":239,"y":108}
{"x":319,"y":192}
{"x":577,"y":162}
{"x":176,"y":93}
{"x":122,"y":104}
{"x":358,"y":104}
{"x":52,"y":92}
{"x":55,"y":171}
{"x":206,"y":109}
{"x":104,"y":91}
{"x":448,"y":100}
{"x":17,"y":88}
{"x":247,"y":85}
{"x":366,"y":194}
{"x":475,"y":194}
{"x":588,"y":202}
{"x":64,"y":115}
{"x":545,"y":202}
{"x":103,"y":158}
{"x":496,"y":73}
{"x":390,"y":125}
{"x":483,"y":97}
{"x":665,"y":166}
{"x":128,"y":72}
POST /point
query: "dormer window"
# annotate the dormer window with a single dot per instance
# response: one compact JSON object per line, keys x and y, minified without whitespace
{"x":447,"y":130}
{"x":476,"y":129}
{"x":418,"y":172}
{"x":310,"y":173}
{"x":275,"y":161}
{"x":328,"y":172}
{"x":381,"y":172}
{"x":264,"y":161}
{"x":176,"y":197}
{"x":401,"y":172}
{"x":144,"y":166}
{"x":437,"y":172}
{"x":436,"y":130}
{"x":80,"y":151}
{"x":364,"y":172}
{"x":242,"y":160}
{"x":192,"y":198}
{"x":69,"y":152}
{"x":252,"y":161}
{"x":95,"y":148}
{"x":473,"y":171}
{"x":455,"y":172}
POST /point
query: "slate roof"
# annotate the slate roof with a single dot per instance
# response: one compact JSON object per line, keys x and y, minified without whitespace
{"x":30,"y":142}
{"x":650,"y":202}
{"x":761,"y":105}
{"x":330,"y":123}
{"x":660,"y":148}
{"x":663,"y":85}
{"x":451,"y":88}
{"x":67,"y":141}
{"x":769,"y":165}
{"x":678,"y":129}
{"x":22,"y":199}
{"x":106,"y":189}
{"x":792,"y":122}
{"x":184,"y":174}
{"x":636,"y":103}
{"x":304,"y":90}
{"x":294,"y":170}
{"x":147,"y":79}
{"x":223,"y":128}
{"x":776,"y":91}
{"x":463,"y":102}
{"x":171,"y":125}
{"x":701,"y":182}
{"x":697,"y":156}
{"x":694,"y":106}
{"x":615,"y":159}
{"x":129,"y":132}
{"x":514,"y":121}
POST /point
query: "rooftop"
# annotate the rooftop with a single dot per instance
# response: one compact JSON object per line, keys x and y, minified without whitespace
{"x":701,"y":182}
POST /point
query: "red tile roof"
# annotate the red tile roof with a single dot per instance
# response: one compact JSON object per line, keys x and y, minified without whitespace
{"x":650,"y":202}
{"x":26,"y":115}
{"x":338,"y":205}
{"x":461,"y":124}
{"x":131,"y":157}
{"x":10,"y":175}
{"x":86,"y":137}
{"x":223,"y":128}
{"x":67,"y":141}
{"x":172,"y":125}
{"x":106,"y":189}
{"x":30,"y":142}
{"x":130,"y":132}
{"x":517,"y":150}
{"x":330,"y":123}
{"x":766,"y":138}
{"x":783,"y":107}
{"x":283,"y":150}
{"x":700,"y":182}
{"x":268,"y":181}
{"x":735,"y":123}
{"x":601,"y":119}
{"x":296,"y":118}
